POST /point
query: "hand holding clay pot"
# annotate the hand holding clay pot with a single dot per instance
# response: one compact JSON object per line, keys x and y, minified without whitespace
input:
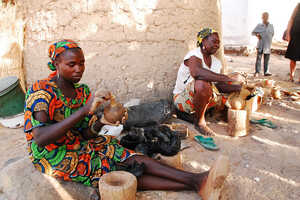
{"x":99,"y":97}
{"x":236,"y":101}
{"x":114,"y":113}
{"x":237,"y":78}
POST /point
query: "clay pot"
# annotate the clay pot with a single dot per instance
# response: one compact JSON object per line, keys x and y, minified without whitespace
{"x":237,"y":103}
{"x":276,"y":94}
{"x":269,"y":83}
{"x":244,"y":92}
{"x":114,"y":112}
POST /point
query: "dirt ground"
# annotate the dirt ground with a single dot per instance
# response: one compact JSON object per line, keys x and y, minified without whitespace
{"x":265,"y":165}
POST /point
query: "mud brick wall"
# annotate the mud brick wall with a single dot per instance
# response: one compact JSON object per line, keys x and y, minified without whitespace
{"x":132,"y":47}
{"x":11,"y":40}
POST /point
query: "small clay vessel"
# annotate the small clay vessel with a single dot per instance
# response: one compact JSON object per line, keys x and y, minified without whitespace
{"x":276,"y":94}
{"x":244,"y":93}
{"x":237,"y":103}
{"x":114,"y":112}
{"x":269,"y":83}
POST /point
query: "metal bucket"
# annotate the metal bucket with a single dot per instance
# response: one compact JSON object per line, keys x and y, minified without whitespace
{"x":12,"y":98}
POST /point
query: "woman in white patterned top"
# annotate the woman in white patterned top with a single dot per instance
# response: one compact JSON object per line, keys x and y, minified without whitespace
{"x":199,"y":81}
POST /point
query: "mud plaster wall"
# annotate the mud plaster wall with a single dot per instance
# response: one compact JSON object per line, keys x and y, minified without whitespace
{"x":11,"y":40}
{"x":132,"y":47}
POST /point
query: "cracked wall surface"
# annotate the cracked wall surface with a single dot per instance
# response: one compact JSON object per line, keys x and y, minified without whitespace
{"x":132,"y":47}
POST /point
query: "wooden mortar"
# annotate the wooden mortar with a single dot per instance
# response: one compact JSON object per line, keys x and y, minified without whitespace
{"x":118,"y":185}
{"x":238,"y":123}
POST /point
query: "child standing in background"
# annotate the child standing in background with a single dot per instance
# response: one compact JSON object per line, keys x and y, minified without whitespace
{"x":264,"y":32}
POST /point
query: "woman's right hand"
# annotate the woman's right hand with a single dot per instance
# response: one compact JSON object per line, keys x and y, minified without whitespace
{"x":237,"y":77}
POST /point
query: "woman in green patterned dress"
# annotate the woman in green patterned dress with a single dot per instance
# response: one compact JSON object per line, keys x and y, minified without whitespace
{"x":60,"y":131}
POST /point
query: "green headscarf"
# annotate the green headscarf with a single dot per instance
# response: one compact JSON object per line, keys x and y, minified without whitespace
{"x":205,"y":32}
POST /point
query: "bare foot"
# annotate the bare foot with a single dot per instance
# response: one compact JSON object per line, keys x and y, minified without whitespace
{"x":204,"y":130}
{"x":211,"y":187}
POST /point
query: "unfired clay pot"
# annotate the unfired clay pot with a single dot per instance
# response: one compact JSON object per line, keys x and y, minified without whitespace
{"x":276,"y":94}
{"x":114,"y":112}
{"x":237,"y":103}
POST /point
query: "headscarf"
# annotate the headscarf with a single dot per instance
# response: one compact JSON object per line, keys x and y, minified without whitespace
{"x":58,"y":48}
{"x":205,"y":32}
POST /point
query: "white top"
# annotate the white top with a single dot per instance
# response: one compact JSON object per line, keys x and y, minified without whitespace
{"x":111,"y":130}
{"x":184,"y":76}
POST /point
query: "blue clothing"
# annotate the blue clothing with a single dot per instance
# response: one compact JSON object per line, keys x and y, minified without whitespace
{"x":266,"y":31}
{"x":266,"y":63}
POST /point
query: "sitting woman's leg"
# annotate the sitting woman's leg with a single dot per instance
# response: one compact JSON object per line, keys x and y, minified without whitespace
{"x":203,"y":93}
{"x":150,"y":182}
{"x":158,"y":176}
{"x":202,"y":96}
{"x":156,"y":169}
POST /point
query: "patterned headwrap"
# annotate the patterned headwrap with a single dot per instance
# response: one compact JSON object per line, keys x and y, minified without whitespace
{"x":205,"y":32}
{"x":57,"y":48}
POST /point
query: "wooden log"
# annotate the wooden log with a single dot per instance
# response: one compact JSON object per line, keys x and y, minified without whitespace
{"x":238,"y":123}
{"x":173,"y":161}
{"x":118,"y":185}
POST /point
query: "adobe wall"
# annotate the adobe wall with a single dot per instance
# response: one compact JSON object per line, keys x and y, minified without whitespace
{"x":133,"y":48}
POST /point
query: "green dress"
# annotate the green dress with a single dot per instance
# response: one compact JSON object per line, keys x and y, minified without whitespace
{"x":72,"y":157}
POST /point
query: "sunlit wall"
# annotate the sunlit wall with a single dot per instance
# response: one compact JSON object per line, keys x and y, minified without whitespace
{"x":132,"y":47}
{"x":241,"y":16}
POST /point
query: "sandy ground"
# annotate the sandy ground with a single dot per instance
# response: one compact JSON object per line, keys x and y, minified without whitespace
{"x":265,"y":165}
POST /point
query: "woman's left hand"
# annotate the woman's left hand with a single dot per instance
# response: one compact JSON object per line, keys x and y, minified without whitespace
{"x":99,"y":98}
